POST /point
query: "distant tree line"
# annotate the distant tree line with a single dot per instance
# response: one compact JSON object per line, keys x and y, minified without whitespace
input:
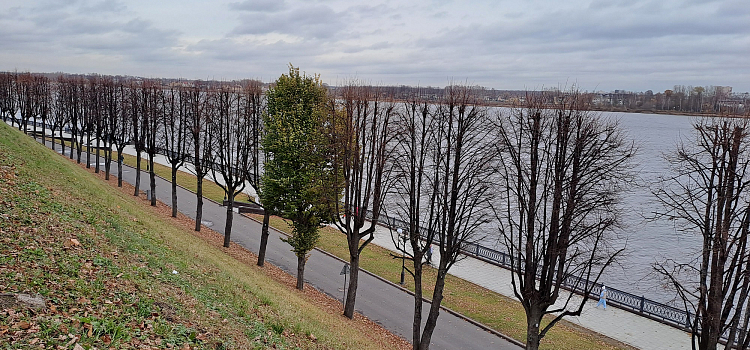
{"x":713,"y":100}
{"x":547,"y":175}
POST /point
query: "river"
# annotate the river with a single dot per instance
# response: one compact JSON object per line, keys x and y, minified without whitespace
{"x":650,"y":241}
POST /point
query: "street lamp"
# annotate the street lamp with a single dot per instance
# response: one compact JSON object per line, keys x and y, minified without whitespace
{"x":402,"y":237}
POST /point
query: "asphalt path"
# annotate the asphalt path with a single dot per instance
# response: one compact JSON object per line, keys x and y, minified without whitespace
{"x":380,"y":301}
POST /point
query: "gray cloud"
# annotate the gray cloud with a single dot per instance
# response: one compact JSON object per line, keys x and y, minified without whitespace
{"x":258,"y":5}
{"x":628,"y":44}
{"x":314,"y":22}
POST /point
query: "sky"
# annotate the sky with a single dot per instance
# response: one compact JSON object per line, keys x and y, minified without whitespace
{"x":633,"y":45}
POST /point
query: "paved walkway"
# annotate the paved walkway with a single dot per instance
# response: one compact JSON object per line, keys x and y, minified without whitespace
{"x":615,"y":323}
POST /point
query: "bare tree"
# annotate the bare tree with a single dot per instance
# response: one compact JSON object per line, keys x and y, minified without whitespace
{"x":201,"y":140}
{"x":175,"y":134}
{"x":111,"y":100}
{"x":364,"y":143}
{"x":27,"y":99}
{"x":707,"y":192}
{"x":59,"y":116}
{"x":8,"y":101}
{"x":121,"y":130}
{"x":77,"y":108}
{"x":445,"y":187}
{"x":66,"y":87}
{"x":91,"y":114}
{"x":562,"y":170}
{"x":138,"y":122}
{"x":252,"y":107}
{"x":231,"y":152}
{"x":152,"y":107}
{"x":44,"y":95}
{"x":95,"y":104}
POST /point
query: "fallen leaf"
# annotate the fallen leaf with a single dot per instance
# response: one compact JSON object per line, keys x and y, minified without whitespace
{"x":23,"y":325}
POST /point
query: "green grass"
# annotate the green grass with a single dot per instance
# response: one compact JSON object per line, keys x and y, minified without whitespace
{"x":116,"y":289}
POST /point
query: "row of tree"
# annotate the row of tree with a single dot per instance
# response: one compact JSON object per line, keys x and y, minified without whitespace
{"x":547,"y":177}
{"x":713,"y":100}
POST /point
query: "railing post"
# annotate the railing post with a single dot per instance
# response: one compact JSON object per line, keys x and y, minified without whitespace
{"x":742,"y":335}
{"x":643,"y":301}
{"x":687,"y":320}
{"x":476,"y":249}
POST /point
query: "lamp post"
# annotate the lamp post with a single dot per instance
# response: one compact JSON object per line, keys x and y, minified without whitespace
{"x":402,"y":237}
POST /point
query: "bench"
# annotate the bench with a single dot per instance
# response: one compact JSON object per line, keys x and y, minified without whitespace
{"x":243,"y":207}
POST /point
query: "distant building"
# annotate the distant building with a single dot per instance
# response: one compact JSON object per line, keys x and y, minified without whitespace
{"x":724,"y":90}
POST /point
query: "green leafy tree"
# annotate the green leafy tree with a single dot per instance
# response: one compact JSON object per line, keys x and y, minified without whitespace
{"x":299,"y":180}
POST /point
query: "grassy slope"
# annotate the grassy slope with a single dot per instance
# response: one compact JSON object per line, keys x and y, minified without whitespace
{"x":498,"y":312}
{"x":116,"y":289}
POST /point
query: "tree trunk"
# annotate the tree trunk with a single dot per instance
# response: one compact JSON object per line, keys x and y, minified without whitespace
{"x":351,"y":294}
{"x":79,"y":149}
{"x":107,"y":163}
{"x":119,"y":167}
{"x":88,"y":151}
{"x":62,"y":142}
{"x":97,"y":154}
{"x":199,"y":206}
{"x":174,"y":191}
{"x":152,"y":177}
{"x":300,"y":272}
{"x":53,"y":141}
{"x":137,"y":173}
{"x":532,"y":327}
{"x":44,"y":133}
{"x":417,"y":324}
{"x":263,"y":239}
{"x":197,"y":165}
{"x":228,"y":225}
{"x":72,"y":143}
{"x":432,"y":317}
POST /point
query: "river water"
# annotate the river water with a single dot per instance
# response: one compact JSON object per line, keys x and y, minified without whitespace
{"x":647,"y":241}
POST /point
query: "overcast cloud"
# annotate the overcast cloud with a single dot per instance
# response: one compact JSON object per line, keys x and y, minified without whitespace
{"x":530,"y":44}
